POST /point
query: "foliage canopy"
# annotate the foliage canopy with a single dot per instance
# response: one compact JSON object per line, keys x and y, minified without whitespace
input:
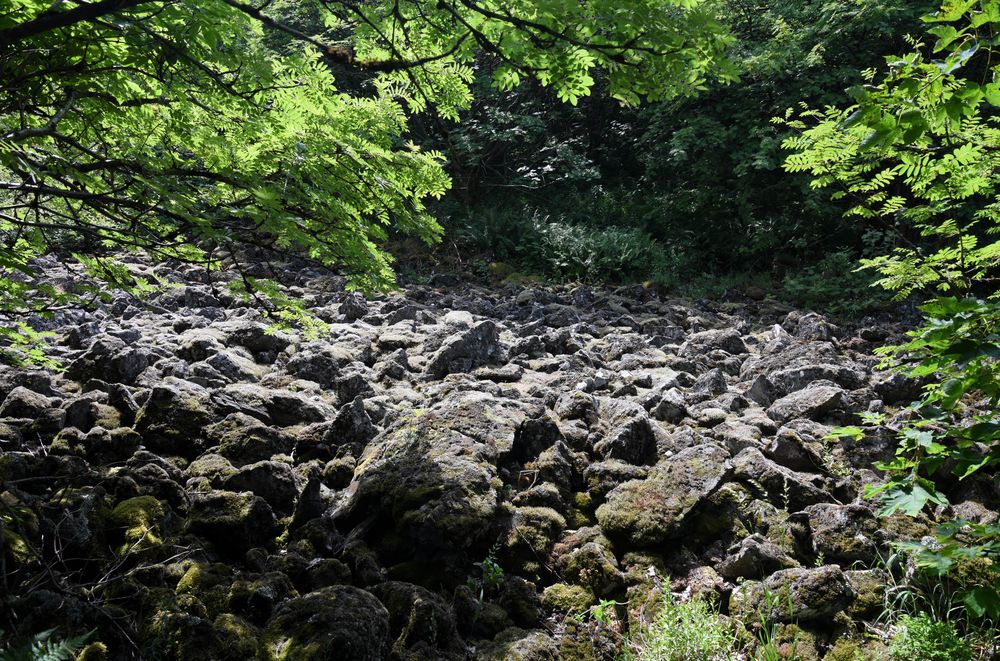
{"x":196,"y":129}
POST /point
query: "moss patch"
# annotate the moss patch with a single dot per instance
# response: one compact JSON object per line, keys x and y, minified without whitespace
{"x":566,"y":598}
{"x":142,"y":519}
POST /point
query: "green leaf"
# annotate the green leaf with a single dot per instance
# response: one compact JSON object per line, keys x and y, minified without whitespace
{"x":983,"y":601}
{"x":909,"y":499}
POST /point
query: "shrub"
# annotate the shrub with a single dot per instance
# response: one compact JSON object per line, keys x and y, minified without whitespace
{"x":585,"y":253}
{"x":922,"y":638}
{"x":834,"y":284}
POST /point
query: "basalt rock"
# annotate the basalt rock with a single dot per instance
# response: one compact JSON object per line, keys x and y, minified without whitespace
{"x":445,"y":472}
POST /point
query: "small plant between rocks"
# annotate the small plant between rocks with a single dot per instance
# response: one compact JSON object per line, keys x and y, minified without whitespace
{"x":682,"y":631}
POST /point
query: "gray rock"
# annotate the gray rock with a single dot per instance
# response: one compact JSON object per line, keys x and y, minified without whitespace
{"x":671,"y":407}
{"x":534,"y":436}
{"x":844,"y":533}
{"x":515,"y":644}
{"x":353,"y":307}
{"x":754,"y":557}
{"x":727,"y":340}
{"x":782,"y":487}
{"x":800,"y":594}
{"x":464,"y":351}
{"x":352,"y":428}
{"x":633,"y":442}
{"x":174,"y":417}
{"x":23,"y":403}
{"x":244,"y":439}
{"x":435,"y":485}
{"x":652,"y":511}
{"x":796,"y":378}
{"x":274,"y":481}
{"x":814,"y":402}
{"x":280,"y":407}
{"x":421,"y":623}
{"x":736,"y":436}
{"x":576,"y":405}
{"x":111,"y":359}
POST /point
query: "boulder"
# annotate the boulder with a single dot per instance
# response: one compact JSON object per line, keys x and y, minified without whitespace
{"x":754,"y":557}
{"x":815,"y":402}
{"x":670,"y":406}
{"x":515,"y":644}
{"x":421,"y":624}
{"x":23,"y":403}
{"x":844,"y":533}
{"x":432,"y":480}
{"x":234,"y":522}
{"x":243,"y":439}
{"x":174,"y":417}
{"x":652,"y":511}
{"x":728,"y":340}
{"x":111,"y":359}
{"x":352,"y":428}
{"x":279,"y":407}
{"x":466,"y":350}
{"x":799,"y":594}
{"x":338,"y":622}
{"x":783,"y":487}
{"x":534,"y":436}
{"x":353,"y":307}
{"x":632,"y":441}
{"x":791,"y":379}
{"x":274,"y":481}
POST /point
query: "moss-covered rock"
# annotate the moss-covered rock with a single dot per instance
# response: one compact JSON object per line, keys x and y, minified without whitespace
{"x":594,"y":567}
{"x":515,"y":644}
{"x":844,"y":533}
{"x":790,"y":595}
{"x":566,"y":598}
{"x":649,"y":512}
{"x":237,"y":636}
{"x":235,"y":522}
{"x":339,"y":622}
{"x":214,"y":467}
{"x":519,"y":597}
{"x":274,"y":481}
{"x":422,"y":624}
{"x":433,"y":482}
{"x":181,"y":635}
{"x":174,"y":417}
{"x":208,"y":582}
{"x":256,"y":597}
{"x":141,"y":519}
{"x":845,"y":649}
{"x":869,"y":587}
{"x":244,"y":440}
{"x":792,"y":642}
{"x":97,"y":651}
{"x":533,"y":531}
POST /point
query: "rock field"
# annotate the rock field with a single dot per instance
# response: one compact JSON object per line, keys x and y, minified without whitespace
{"x":450,"y":472}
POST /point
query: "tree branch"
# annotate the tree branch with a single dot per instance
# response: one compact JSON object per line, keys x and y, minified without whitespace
{"x":53,"y":20}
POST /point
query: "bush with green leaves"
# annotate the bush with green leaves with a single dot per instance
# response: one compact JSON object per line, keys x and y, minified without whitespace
{"x":920,"y":637}
{"x":833,"y":284}
{"x":688,"y":631}
{"x":589,"y":254}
